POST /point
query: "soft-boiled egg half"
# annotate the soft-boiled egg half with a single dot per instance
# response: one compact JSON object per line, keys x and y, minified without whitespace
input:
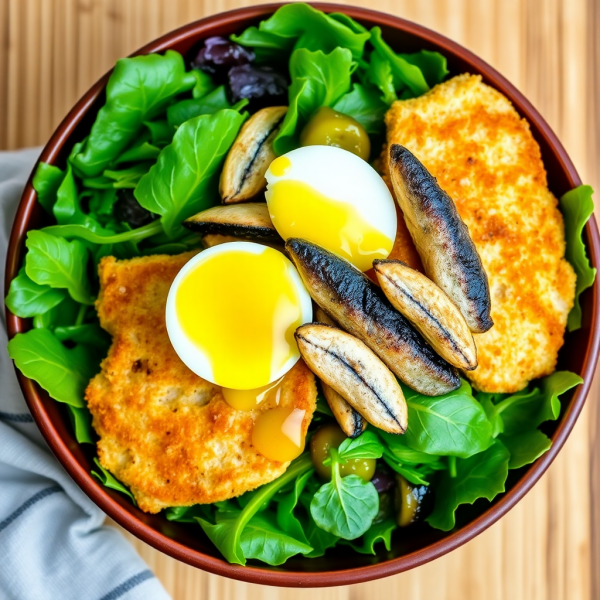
{"x":232,"y":312}
{"x":333,"y":198}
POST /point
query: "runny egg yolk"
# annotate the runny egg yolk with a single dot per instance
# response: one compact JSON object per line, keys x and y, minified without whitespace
{"x":251,"y":399}
{"x":278,"y":435}
{"x":299,"y":210}
{"x":239,"y":310}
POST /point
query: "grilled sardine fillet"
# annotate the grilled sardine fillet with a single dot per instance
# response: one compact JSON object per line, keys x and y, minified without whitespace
{"x":165,"y":432}
{"x":482,"y":153}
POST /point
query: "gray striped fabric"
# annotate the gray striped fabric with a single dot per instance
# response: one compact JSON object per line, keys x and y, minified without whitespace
{"x":53,"y":544}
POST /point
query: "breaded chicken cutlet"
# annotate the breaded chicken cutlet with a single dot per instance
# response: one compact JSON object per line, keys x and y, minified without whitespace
{"x":470,"y":137}
{"x":165,"y":432}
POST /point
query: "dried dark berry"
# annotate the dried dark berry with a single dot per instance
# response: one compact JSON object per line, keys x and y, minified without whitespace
{"x":129,"y":210}
{"x":261,"y":85}
{"x":383,"y":481}
{"x":218,"y":54}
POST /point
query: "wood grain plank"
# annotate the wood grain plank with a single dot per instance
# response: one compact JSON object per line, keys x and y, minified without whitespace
{"x":546,"y":548}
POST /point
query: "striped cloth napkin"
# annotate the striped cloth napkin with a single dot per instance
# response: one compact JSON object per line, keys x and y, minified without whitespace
{"x":53,"y":543}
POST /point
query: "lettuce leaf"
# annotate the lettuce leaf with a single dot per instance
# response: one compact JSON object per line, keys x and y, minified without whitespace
{"x":577,"y":206}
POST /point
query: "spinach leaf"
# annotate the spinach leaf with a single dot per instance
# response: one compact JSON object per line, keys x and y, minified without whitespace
{"x":480,"y":476}
{"x":138,"y":89}
{"x":525,"y":447}
{"x":318,"y":80}
{"x":379,"y":532}
{"x":110,"y":481}
{"x":204,"y":83}
{"x":226,"y":533}
{"x":81,"y":420}
{"x":183,"y":111}
{"x":491,"y":412}
{"x":397,"y":447}
{"x":364,"y":104}
{"x":296,"y":26}
{"x":262,"y":540}
{"x":161,"y":133}
{"x":345,"y":506}
{"x":26,"y":298}
{"x":63,"y":373}
{"x":141,"y":151}
{"x":286,"y":519}
{"x":319,"y":539}
{"x":366,"y":445}
{"x":67,"y":208}
{"x":46,"y":181}
{"x":454,"y":424}
{"x":184,"y":180}
{"x":58,"y":263}
{"x":90,"y":334}
{"x":577,"y":206}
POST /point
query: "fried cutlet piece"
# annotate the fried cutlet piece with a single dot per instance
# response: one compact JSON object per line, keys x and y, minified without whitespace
{"x":165,"y":432}
{"x":470,"y":137}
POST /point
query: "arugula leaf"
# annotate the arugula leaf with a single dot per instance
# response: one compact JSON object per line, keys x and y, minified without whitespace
{"x":81,"y":420}
{"x":184,"y":180}
{"x":454,"y":424}
{"x":26,"y":298}
{"x":345,"y":506}
{"x":577,"y":206}
{"x":138,"y":89}
{"x":480,"y":476}
{"x":397,"y":447}
{"x":188,"y":514}
{"x":141,"y":151}
{"x":58,"y":263}
{"x":379,"y":73}
{"x":411,"y":473}
{"x":46,"y":181}
{"x":286,"y":519}
{"x":185,"y":110}
{"x":318,"y":80}
{"x":525,"y":447}
{"x":107,"y":479}
{"x":105,"y":236}
{"x":67,"y":208}
{"x":296,"y":26}
{"x":63,"y":373}
{"x":405,"y":74}
{"x":87,"y":333}
{"x":491,"y":412}
{"x":226,"y":533}
{"x":262,"y":540}
{"x":527,"y":409}
{"x":379,"y":532}
{"x":364,"y":104}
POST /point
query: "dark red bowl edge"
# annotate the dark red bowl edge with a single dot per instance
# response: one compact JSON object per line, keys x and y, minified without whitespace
{"x":253,"y":574}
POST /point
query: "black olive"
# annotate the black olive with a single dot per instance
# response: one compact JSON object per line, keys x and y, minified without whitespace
{"x":383,"y":481}
{"x":261,"y":85}
{"x":129,"y":210}
{"x":218,"y":54}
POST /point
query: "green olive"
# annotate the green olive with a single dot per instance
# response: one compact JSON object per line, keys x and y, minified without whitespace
{"x":331,"y":436}
{"x":328,"y":127}
{"x":408,"y":501}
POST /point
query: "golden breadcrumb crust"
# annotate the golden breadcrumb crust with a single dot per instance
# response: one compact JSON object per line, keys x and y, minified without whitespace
{"x":483,"y":154}
{"x":165,"y":432}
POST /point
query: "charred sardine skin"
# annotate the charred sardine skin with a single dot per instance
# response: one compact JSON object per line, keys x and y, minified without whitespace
{"x":441,"y":237}
{"x":250,"y":220}
{"x":356,"y":373}
{"x":361,"y":308}
{"x":430,"y":311}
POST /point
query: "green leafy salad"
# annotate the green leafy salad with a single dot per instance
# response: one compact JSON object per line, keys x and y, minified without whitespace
{"x":152,"y":159}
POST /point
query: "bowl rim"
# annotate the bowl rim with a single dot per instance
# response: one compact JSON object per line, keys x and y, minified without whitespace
{"x":250,"y":573}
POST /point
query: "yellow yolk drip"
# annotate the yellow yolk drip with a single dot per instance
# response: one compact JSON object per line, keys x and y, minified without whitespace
{"x":277,"y":434}
{"x":241,"y":310}
{"x":280,"y":166}
{"x":250,"y":399}
{"x":298,"y":210}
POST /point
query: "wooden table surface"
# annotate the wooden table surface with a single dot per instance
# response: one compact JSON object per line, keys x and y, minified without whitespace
{"x":548,"y":547}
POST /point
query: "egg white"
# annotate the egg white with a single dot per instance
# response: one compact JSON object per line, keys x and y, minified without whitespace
{"x":343,"y":177}
{"x":190,"y":354}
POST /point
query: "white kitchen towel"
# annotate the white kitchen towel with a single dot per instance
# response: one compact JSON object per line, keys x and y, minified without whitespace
{"x":53,"y":545}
